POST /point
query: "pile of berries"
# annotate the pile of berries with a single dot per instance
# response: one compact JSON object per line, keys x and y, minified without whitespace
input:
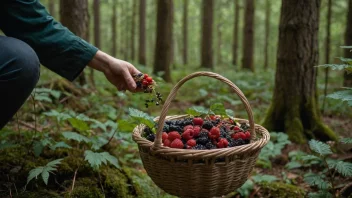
{"x":147,"y":84}
{"x":200,"y":134}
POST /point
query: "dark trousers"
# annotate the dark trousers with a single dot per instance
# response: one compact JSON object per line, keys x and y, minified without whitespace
{"x":19,"y":73}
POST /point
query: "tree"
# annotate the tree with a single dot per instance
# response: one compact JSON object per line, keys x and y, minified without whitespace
{"x":51,"y":8}
{"x":294,"y":108}
{"x":235,"y":33}
{"x":74,"y":15}
{"x":348,"y":41}
{"x":133,"y":29}
{"x":207,"y":34}
{"x":248,"y":36}
{"x":113,"y":27}
{"x":267,"y":33}
{"x":142,"y":57}
{"x":162,"y":59}
{"x":185,"y":32}
{"x":327,"y":50}
{"x":96,"y":14}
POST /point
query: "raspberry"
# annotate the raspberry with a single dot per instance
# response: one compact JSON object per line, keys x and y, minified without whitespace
{"x":223,"y":143}
{"x":236,"y":128}
{"x":149,"y":79}
{"x":198,"y":121}
{"x":196,"y":130}
{"x":176,"y":143}
{"x":235,"y":136}
{"x":247,"y":134}
{"x":207,"y":125}
{"x":187,"y":127}
{"x":214,"y":133}
{"x":188,"y":134}
{"x":167,"y":142}
{"x":145,"y":83}
{"x":191,"y":142}
{"x":164,"y":136}
{"x":145,"y":76}
{"x":242,"y":135}
{"x":174,"y":135}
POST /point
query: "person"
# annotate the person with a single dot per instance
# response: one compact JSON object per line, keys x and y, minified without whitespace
{"x":34,"y":37}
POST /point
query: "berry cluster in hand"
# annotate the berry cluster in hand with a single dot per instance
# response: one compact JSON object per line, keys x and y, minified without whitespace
{"x":147,"y":84}
{"x":203,"y":133}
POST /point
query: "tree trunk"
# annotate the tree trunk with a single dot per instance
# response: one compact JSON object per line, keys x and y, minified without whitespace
{"x":267,"y":34}
{"x":348,"y":41}
{"x":294,"y":108}
{"x":133,"y":29}
{"x":142,"y":58}
{"x":163,"y":44}
{"x":113,"y":27}
{"x":207,"y":34}
{"x":52,"y":8}
{"x":327,"y":51}
{"x":185,"y":32}
{"x":74,"y":15}
{"x":96,"y":11}
{"x":248,"y":36}
{"x":235,"y":33}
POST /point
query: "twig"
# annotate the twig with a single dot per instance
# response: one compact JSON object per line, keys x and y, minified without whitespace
{"x":73,"y":182}
{"x":254,"y":193}
{"x":35,"y":122}
{"x":110,"y":138}
{"x":101,"y":185}
{"x":30,"y":126}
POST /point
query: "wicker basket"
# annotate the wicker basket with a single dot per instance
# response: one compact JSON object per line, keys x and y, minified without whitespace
{"x":198,"y":173}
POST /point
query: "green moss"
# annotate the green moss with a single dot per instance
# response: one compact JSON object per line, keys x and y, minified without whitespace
{"x":41,"y":193}
{"x":116,"y":183}
{"x":294,"y":129}
{"x":85,"y":188}
{"x":278,"y":189}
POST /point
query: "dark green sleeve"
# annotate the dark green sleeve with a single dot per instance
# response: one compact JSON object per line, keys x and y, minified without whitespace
{"x":57,"y":48}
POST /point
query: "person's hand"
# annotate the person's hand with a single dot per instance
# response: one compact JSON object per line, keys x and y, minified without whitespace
{"x":118,"y":72}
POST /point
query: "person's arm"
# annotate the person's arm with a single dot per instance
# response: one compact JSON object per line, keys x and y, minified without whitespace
{"x":57,"y":48}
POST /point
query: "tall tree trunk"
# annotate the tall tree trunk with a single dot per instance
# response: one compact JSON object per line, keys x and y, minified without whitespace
{"x":267,"y":34}
{"x":248,"y":36}
{"x":113,"y":27}
{"x":142,"y":57}
{"x":163,"y":44}
{"x":294,"y":108}
{"x":219,"y":43}
{"x":126,"y":6}
{"x":52,"y":8}
{"x":235,"y":33}
{"x":348,"y":41}
{"x":96,"y":21}
{"x":185,"y":32}
{"x":74,"y":15}
{"x":327,"y":51}
{"x":207,"y":34}
{"x":133,"y":29}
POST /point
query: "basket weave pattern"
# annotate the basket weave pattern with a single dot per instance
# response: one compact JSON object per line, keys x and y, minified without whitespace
{"x":197,"y":173}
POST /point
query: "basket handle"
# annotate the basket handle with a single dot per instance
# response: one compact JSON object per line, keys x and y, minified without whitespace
{"x":157,"y":142}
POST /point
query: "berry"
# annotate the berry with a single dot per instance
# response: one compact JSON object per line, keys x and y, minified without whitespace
{"x":187,"y":127}
{"x":191,"y":142}
{"x":198,"y":121}
{"x":242,"y":135}
{"x":149,"y":79}
{"x":147,"y":131}
{"x":203,"y":140}
{"x":167,"y":142}
{"x":151,"y":137}
{"x":188,"y":121}
{"x":236,"y":128}
{"x":145,"y":83}
{"x":210,"y":145}
{"x":223,"y":143}
{"x":199,"y":147}
{"x":176,"y":128}
{"x":145,"y":76}
{"x":176,"y":143}
{"x":214,"y":133}
{"x":196,"y":131}
{"x":164,"y":136}
{"x":247,"y":141}
{"x":188,"y":134}
{"x":166,"y":128}
{"x":240,"y":142}
{"x":235,"y":136}
{"x":207,"y":125}
{"x":204,"y":133}
{"x":174,"y":135}
{"x":247,"y":134}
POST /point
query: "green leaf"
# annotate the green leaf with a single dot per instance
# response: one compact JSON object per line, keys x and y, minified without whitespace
{"x":60,"y":145}
{"x":336,"y":66}
{"x":320,"y":194}
{"x":293,"y":165}
{"x":141,"y":117}
{"x":346,"y":47}
{"x":45,"y":176}
{"x":218,"y":109}
{"x":75,"y":136}
{"x":54,"y":163}
{"x":112,"y":159}
{"x":34,"y":173}
{"x":346,"y":140}
{"x":38,"y":148}
{"x":344,"y":168}
{"x":230,"y":113}
{"x":264,"y":178}
{"x":309,"y":158}
{"x":197,"y":111}
{"x":78,"y":124}
{"x":96,"y":159}
{"x":316,"y":180}
{"x":246,"y":188}
{"x":320,"y":147}
{"x":42,"y":97}
{"x":345,"y":95}
{"x":125,"y":126}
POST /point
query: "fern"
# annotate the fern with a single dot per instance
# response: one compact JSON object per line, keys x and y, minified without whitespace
{"x":345,"y":95}
{"x":316,"y":180}
{"x":293,"y":165}
{"x":60,"y":145}
{"x":246,"y":189}
{"x":141,"y":117}
{"x":43,"y":171}
{"x":75,"y":136}
{"x":264,"y":178}
{"x":320,"y":194}
{"x":319,"y":147}
{"x":96,"y":159}
{"x":346,"y":140}
{"x":336,"y":66}
{"x":344,"y":168}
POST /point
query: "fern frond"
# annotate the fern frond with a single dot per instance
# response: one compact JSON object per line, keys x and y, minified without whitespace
{"x":319,"y":147}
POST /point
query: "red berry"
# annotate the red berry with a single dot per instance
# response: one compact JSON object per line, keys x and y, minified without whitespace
{"x":235,"y":136}
{"x":214,"y":133}
{"x":187,"y":127}
{"x":167,"y":142}
{"x":145,"y":83}
{"x":149,"y":79}
{"x":196,"y":130}
{"x":222,"y":143}
{"x":174,"y":135}
{"x":191,"y":142}
{"x":247,"y":134}
{"x":188,"y":134}
{"x":177,"y":143}
{"x":198,"y":121}
{"x":242,"y":135}
{"x":236,"y":128}
{"x":164,"y":136}
{"x":145,"y":76}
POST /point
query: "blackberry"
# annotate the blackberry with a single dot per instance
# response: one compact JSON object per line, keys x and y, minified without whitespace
{"x":147,"y":131}
{"x":187,"y":121}
{"x":247,"y":141}
{"x":199,"y":147}
{"x":241,"y":142}
{"x":223,"y":129}
{"x":209,"y":145}
{"x":215,"y":122}
{"x":139,"y":84}
{"x":166,"y":128}
{"x":170,"y":122}
{"x":223,"y":134}
{"x":203,"y":134}
{"x":151,"y":137}
{"x":207,"y":125}
{"x":232,"y":143}
{"x":203,"y":140}
{"x":175,"y":128}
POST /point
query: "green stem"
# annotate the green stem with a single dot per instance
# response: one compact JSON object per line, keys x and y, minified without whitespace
{"x":331,"y":177}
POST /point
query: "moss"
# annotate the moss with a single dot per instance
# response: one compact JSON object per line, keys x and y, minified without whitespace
{"x":116,"y":183}
{"x":42,"y":194}
{"x":278,"y":189}
{"x":85,"y":188}
{"x":294,"y":130}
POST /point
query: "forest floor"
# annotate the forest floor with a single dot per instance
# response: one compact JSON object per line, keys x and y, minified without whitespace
{"x":34,"y":138}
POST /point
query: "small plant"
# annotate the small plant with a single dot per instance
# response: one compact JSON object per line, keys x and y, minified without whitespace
{"x":44,"y":171}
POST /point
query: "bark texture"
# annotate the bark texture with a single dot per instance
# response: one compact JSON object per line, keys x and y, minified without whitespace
{"x":248,"y":36}
{"x":142,"y":58}
{"x":185,"y":32}
{"x":235,"y":33}
{"x":348,"y":41}
{"x":207,"y":34}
